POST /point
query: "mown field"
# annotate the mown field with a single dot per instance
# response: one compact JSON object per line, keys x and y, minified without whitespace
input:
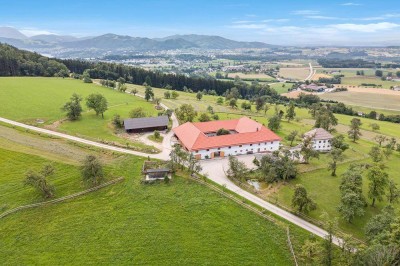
{"x":294,"y":72}
{"x":372,"y":101}
{"x":28,"y":99}
{"x":314,"y":176}
{"x":179,"y":223}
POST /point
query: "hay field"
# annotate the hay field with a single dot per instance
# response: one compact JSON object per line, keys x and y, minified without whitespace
{"x":294,"y":72}
{"x":367,"y":97}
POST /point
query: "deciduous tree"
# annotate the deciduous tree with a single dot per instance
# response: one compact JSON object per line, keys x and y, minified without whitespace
{"x":378,"y":183}
{"x":73,"y":107}
{"x":98,"y":103}
{"x":301,"y":201}
{"x":354,"y":132}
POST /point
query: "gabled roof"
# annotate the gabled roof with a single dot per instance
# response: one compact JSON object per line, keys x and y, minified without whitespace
{"x":319,"y":133}
{"x":193,"y":137}
{"x":146,"y":122}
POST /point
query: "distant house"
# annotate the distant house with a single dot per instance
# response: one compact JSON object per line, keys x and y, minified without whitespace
{"x":146,"y":124}
{"x":241,"y":136}
{"x":321,"y":139}
{"x":313,"y":87}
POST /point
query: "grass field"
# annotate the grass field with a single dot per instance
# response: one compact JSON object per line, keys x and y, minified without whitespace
{"x":179,"y":223}
{"x":280,"y":87}
{"x":29,"y":99}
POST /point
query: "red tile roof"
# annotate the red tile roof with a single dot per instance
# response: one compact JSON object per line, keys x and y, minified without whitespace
{"x":193,"y":137}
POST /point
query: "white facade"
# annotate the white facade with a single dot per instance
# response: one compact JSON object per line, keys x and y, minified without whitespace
{"x":322,"y":145}
{"x":261,"y":147}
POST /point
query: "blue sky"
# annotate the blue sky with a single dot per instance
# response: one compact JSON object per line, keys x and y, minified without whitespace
{"x":277,"y":22}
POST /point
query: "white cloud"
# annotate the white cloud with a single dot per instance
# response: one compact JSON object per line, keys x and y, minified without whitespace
{"x":305,"y":12}
{"x":372,"y":27}
{"x":243,"y":21}
{"x":32,"y":32}
{"x":322,"y":17}
{"x":382,"y":17}
{"x":276,"y":20}
{"x":249,"y":26}
{"x":351,"y":4}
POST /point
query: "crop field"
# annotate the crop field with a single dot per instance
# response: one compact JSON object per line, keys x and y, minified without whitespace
{"x":128,"y":223}
{"x":30,"y":99}
{"x":294,"y":72}
{"x":367,"y":97}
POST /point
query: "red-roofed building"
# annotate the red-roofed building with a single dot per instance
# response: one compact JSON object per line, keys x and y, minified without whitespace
{"x":245,"y":136}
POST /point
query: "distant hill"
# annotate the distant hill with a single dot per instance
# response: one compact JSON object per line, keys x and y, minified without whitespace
{"x":215,"y":42}
{"x":69,"y":46}
{"x":11,"y":33}
{"x":52,"y":38}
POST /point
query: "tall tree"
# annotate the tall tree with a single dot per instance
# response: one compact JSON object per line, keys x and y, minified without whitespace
{"x":290,"y":112}
{"x":336,"y":156}
{"x":98,"y":103}
{"x":354,"y":132}
{"x":185,"y":113}
{"x":352,"y":201}
{"x":378,"y":183}
{"x":73,"y":107}
{"x":148,"y":93}
{"x":324,"y":118}
{"x":274,"y":123}
{"x":301,"y":201}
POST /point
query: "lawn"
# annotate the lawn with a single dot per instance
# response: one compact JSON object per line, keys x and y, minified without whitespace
{"x":179,"y":223}
{"x":28,"y":99}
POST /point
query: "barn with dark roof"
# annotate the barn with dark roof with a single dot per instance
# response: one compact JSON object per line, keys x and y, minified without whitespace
{"x":146,"y":124}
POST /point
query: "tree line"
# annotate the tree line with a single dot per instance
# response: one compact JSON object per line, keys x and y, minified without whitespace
{"x":15,"y":62}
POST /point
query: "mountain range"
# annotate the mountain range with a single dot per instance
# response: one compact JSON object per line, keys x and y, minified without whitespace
{"x":112,"y":43}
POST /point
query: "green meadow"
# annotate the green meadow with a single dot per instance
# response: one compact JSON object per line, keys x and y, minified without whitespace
{"x":29,"y":99}
{"x":128,"y":223}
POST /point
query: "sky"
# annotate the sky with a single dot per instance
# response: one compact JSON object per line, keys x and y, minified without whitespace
{"x":276,"y":22}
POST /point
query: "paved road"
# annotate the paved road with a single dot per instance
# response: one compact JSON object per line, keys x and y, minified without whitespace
{"x":215,"y":170}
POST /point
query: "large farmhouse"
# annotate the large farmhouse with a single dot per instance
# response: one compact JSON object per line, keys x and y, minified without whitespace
{"x":207,"y":140}
{"x":321,"y":139}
